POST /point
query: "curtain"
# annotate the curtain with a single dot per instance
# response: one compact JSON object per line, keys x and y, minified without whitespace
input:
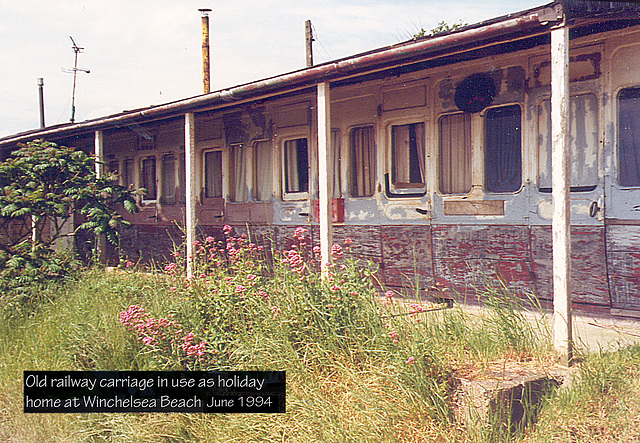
{"x":182,"y":178}
{"x":455,"y":156}
{"x":239,"y":174}
{"x":263,"y":171}
{"x":168,"y":179}
{"x":213,"y":174}
{"x":363,"y":161}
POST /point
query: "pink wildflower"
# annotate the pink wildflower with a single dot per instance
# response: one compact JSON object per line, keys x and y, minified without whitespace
{"x":409,"y":360}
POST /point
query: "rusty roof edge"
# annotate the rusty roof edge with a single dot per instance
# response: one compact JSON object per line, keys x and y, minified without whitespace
{"x":537,"y":18}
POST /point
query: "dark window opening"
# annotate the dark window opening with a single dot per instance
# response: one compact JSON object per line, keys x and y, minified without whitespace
{"x":503,"y":149}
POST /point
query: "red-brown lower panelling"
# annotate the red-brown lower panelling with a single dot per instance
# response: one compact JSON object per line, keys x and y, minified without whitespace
{"x":588,"y":264}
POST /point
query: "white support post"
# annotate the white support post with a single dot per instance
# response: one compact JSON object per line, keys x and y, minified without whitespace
{"x":324,"y":175}
{"x":561,"y":193}
{"x":98,"y":152}
{"x":191,"y":191}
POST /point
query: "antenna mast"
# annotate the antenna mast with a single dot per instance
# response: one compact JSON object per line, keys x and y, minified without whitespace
{"x":77,"y":50}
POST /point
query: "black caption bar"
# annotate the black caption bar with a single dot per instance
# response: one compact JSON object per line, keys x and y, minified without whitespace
{"x":155,"y":391}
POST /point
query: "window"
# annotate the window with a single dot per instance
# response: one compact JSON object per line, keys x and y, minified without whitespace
{"x":336,"y":161}
{"x":238,"y":165}
{"x":114,"y":166}
{"x":503,"y":149}
{"x":455,"y":154}
{"x":296,"y":166}
{"x":263,"y":170}
{"x":149,"y":177}
{"x":127,"y":172}
{"x":363,"y":161}
{"x":583,"y":143}
{"x":407,"y":156}
{"x":168,"y":184}
{"x":213,"y":174}
{"x":629,"y":137}
{"x":182,"y":178}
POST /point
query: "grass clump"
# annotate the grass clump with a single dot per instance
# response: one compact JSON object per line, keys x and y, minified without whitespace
{"x":601,"y":404}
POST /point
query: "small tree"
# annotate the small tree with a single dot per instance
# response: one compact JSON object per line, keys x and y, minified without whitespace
{"x":42,"y":185}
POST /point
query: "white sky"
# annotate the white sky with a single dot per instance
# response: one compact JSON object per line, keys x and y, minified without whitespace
{"x":148,"y":52}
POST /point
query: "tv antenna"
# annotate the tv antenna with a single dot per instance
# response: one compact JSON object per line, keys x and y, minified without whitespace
{"x":77,"y":50}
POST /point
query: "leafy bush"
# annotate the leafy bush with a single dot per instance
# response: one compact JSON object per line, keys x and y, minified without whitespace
{"x":43,"y":188}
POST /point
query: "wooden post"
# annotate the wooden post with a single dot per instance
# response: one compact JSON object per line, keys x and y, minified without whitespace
{"x":324,"y":176}
{"x":206,"y":63}
{"x":308,"y":40}
{"x":561,"y":193}
{"x":191,"y":191}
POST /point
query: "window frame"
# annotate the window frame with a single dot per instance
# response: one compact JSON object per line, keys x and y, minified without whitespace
{"x":577,"y":188}
{"x":295,"y":195}
{"x":143,"y":159}
{"x":353,"y":175}
{"x":167,"y":197}
{"x":411,"y":189}
{"x":231,"y":152}
{"x":204,"y":195}
{"x":124,"y":175}
{"x":618,"y":161}
{"x":439,"y":147}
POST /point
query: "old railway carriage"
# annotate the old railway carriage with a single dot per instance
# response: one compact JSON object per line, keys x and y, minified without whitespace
{"x":440,"y":154}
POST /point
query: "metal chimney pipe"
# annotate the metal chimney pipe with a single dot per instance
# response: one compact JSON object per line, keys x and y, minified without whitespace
{"x":41,"y":94}
{"x":206,"y":65}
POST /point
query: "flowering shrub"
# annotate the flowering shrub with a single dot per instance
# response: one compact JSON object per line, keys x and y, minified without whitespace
{"x":166,"y":339}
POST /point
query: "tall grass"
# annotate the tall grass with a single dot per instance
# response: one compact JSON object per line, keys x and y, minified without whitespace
{"x":359,"y":367}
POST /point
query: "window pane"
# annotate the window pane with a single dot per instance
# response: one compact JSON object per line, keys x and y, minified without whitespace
{"x":238,"y":191}
{"x":127,"y":172}
{"x":296,"y":166}
{"x":407,"y":155}
{"x":629,"y":134}
{"x":363,"y":161}
{"x":503,"y":152}
{"x":263,"y":170}
{"x":583,"y":142}
{"x":213,"y":174}
{"x":455,"y":155}
{"x":149,"y":177}
{"x":168,"y":179}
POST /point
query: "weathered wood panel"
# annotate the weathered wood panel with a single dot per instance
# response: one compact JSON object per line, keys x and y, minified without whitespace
{"x":588,"y":264}
{"x":473,"y":256}
{"x":406,"y":252}
{"x":623,"y":260}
